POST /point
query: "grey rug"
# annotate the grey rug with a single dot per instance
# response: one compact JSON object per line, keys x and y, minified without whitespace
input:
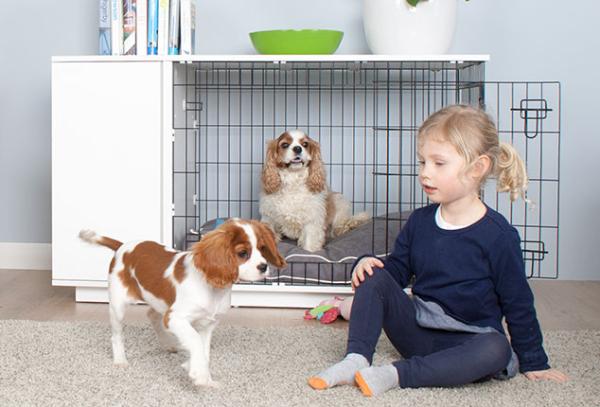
{"x":69,"y":363}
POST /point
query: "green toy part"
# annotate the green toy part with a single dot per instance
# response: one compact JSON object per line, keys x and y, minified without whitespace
{"x":320,"y":309}
{"x":329,"y":310}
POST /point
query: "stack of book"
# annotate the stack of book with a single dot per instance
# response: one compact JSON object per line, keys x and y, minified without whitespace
{"x":147,"y":27}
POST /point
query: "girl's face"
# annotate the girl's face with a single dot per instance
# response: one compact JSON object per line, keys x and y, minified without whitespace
{"x":442,"y":173}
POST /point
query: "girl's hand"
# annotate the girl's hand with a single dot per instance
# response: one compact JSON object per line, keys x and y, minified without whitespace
{"x":549,"y":374}
{"x":364,"y":265}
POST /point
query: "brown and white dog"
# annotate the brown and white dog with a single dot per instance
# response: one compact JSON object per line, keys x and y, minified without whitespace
{"x":186,"y":291}
{"x":295,"y":200}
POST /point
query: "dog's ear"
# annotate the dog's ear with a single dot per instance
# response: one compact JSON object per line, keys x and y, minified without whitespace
{"x":271,"y":180}
{"x":316,"y":181}
{"x":267,"y":244}
{"x":215,"y":257}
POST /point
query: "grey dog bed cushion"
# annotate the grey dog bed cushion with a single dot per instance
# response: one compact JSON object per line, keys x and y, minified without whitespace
{"x":332,"y":264}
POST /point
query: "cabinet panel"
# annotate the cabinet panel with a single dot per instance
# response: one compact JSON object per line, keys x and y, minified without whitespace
{"x":106,"y":162}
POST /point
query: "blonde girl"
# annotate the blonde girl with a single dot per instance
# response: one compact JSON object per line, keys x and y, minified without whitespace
{"x":468,"y":272}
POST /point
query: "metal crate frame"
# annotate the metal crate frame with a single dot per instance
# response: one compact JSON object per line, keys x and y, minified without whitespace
{"x":365,"y":114}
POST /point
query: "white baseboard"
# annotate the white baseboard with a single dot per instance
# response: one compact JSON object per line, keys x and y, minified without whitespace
{"x":243,"y":295}
{"x":25,"y":256}
{"x":91,"y":294}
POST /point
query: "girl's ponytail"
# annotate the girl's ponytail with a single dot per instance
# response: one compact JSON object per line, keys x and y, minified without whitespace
{"x":510,"y":172}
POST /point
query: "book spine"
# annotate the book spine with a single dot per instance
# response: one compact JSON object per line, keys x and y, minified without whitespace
{"x":152,"y":27}
{"x":188,"y":24}
{"x":163,"y":27}
{"x":129,"y":34}
{"x":141,"y":29}
{"x":104,"y":45}
{"x":193,"y":25}
{"x":174,"y":28}
{"x":116,"y":26}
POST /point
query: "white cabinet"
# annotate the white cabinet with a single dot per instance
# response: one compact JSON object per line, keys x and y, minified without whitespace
{"x":109,"y":149}
{"x":113,"y":140}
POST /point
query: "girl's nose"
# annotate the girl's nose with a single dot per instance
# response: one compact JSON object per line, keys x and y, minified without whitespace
{"x":423,"y":171}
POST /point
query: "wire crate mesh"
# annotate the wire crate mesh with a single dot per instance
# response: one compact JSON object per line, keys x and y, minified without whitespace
{"x":365,"y":115}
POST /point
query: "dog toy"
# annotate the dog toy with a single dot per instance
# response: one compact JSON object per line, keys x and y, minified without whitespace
{"x":329,"y":310}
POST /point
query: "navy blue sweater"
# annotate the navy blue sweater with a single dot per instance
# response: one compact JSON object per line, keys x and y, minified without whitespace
{"x":476,"y":274}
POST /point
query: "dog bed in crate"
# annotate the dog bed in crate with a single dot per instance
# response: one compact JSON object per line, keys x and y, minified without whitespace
{"x":333,"y":264}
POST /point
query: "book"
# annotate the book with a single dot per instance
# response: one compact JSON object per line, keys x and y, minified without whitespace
{"x":129,"y":27}
{"x":104,"y":45}
{"x":116,"y":27}
{"x":174,"y":28}
{"x":152,"y":27}
{"x":163,"y":27}
{"x":141,"y":26}
{"x":188,"y":27}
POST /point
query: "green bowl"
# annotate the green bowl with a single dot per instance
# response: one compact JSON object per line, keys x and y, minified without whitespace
{"x":296,"y":41}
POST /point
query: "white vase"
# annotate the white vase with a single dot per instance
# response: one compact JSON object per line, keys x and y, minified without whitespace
{"x":396,"y":27}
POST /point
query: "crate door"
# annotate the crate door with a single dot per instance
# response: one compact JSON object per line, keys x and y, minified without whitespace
{"x":528,"y":117}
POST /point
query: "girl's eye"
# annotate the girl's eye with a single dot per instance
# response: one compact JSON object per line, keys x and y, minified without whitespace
{"x":439,"y":163}
{"x":243,"y":254}
{"x":285,"y":145}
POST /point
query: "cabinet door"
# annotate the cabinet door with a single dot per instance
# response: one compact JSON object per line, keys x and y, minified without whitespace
{"x":106,"y":162}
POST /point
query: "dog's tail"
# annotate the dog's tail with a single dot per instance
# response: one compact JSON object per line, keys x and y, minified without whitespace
{"x":350,"y":223}
{"x":92,"y":237}
{"x":343,"y":221}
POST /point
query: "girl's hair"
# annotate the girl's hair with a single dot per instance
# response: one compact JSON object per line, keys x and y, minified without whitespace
{"x":473,"y":133}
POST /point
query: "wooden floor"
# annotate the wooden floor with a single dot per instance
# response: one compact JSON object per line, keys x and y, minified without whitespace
{"x":26,"y":294}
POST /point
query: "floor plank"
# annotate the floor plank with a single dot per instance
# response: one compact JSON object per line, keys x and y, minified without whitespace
{"x":29,"y":294}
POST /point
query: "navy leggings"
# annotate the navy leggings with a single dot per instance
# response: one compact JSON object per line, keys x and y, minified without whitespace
{"x":432,"y":357}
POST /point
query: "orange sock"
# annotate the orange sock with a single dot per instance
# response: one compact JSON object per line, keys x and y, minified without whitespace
{"x":376,"y":380}
{"x":340,"y":373}
{"x":317,"y":383}
{"x":362,"y":385}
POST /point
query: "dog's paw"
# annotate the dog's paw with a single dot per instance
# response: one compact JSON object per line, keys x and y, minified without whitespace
{"x":311,"y":247}
{"x":200,"y":379}
{"x":120,"y":363}
{"x":213,"y":384}
{"x":311,"y":243}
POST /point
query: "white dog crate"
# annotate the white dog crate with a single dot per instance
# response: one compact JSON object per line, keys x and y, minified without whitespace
{"x":365,"y":113}
{"x":161,"y":148}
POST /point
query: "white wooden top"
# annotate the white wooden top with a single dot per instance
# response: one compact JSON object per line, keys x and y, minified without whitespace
{"x":277,"y":58}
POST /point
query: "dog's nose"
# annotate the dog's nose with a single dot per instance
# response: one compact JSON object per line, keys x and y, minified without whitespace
{"x":297,"y":149}
{"x":262,"y":267}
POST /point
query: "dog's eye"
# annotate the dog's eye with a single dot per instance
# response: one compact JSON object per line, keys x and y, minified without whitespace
{"x":284,"y":145}
{"x":305,"y":144}
{"x":243,"y":254}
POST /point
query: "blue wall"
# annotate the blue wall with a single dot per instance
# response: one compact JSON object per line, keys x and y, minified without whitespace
{"x":527,"y":40}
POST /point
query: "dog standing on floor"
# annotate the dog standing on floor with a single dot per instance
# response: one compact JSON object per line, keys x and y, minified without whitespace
{"x":186,"y":291}
{"x":296,"y":201}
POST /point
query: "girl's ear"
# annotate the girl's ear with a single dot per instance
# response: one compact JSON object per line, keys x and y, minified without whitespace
{"x":481,"y":167}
